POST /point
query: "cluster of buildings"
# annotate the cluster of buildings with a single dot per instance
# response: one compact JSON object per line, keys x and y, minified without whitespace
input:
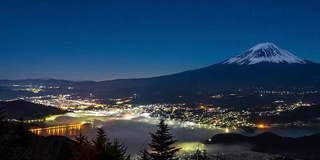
{"x":203,"y":114}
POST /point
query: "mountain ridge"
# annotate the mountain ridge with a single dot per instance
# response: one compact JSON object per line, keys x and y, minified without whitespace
{"x":27,"y":110}
{"x":305,"y":147}
{"x":265,"y":53}
{"x":214,"y":78}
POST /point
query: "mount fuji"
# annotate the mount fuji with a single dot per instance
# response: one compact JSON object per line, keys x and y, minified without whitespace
{"x":265,"y":66}
{"x":265,"y":53}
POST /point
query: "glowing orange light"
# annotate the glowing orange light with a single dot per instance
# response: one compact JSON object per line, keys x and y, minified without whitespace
{"x":261,"y":126}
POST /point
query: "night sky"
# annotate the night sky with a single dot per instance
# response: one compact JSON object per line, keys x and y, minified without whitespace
{"x":100,"y":40}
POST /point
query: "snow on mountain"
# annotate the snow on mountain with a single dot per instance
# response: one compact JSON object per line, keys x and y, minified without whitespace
{"x":265,"y":52}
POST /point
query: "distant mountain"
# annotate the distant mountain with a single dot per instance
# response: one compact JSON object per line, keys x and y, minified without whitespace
{"x":12,"y":89}
{"x":35,"y":81}
{"x":306,"y":147}
{"x":265,"y":53}
{"x":264,"y":65}
{"x":26,"y":110}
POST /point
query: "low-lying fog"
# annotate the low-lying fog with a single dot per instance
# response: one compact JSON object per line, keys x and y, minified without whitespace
{"x":134,"y":132}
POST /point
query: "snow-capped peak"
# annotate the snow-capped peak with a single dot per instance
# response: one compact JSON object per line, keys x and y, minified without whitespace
{"x":265,"y":53}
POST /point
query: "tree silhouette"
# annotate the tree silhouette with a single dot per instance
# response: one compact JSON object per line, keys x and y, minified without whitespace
{"x":161,"y":143}
{"x":104,"y":149}
{"x":200,"y":155}
{"x":100,"y":144}
{"x":23,"y":136}
{"x":117,"y":151}
{"x":2,"y":116}
{"x":66,"y":152}
{"x":143,"y":155}
{"x":2,"y":123}
{"x":84,"y":150}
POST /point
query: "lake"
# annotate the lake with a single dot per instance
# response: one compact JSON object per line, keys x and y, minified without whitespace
{"x":133,"y":131}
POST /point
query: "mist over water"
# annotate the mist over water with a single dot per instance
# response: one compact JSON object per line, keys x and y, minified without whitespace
{"x":134,"y":132}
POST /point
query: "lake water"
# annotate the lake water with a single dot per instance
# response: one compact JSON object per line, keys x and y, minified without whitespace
{"x":134,"y":131}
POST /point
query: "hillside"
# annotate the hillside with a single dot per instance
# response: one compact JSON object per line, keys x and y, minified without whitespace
{"x":6,"y":94}
{"x":264,"y":65}
{"x":26,"y":110}
{"x":308,"y":114}
{"x":303,"y":147}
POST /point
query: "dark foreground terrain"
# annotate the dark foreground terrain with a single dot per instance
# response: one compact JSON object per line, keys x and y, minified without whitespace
{"x":306,"y":147}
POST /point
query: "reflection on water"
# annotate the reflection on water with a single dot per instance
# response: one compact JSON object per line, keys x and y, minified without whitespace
{"x":62,"y":130}
{"x":134,"y":131}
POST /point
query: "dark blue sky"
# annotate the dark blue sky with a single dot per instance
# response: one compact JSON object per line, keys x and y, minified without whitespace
{"x":99,"y":40}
